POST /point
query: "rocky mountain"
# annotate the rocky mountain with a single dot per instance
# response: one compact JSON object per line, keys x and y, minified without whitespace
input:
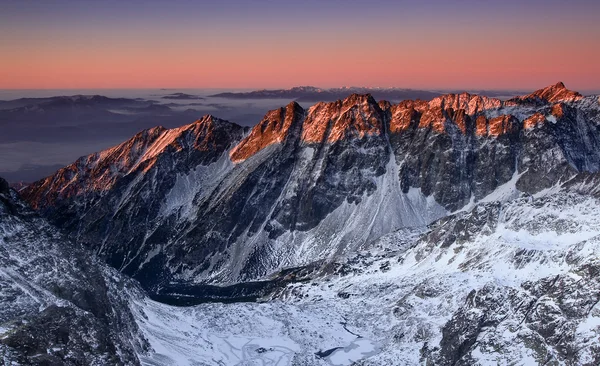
{"x":59,"y":305}
{"x":511,"y":280}
{"x":209,"y":203}
{"x":463,"y":230}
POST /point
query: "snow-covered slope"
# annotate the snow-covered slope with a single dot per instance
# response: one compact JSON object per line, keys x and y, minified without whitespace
{"x":512,"y":282}
{"x":58,"y":304}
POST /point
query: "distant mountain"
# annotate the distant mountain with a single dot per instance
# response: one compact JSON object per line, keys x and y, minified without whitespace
{"x":55,"y":130}
{"x":313,"y":94}
{"x":76,"y":104}
{"x":182,"y":96}
{"x":62,"y":101}
{"x":79,"y":116}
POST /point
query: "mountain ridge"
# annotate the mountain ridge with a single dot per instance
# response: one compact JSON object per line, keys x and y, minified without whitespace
{"x":272,"y":197}
{"x":140,"y":152}
{"x":448,"y":108}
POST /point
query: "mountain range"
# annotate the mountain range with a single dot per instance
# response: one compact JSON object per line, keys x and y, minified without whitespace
{"x":315,"y":94}
{"x":458,"y":230}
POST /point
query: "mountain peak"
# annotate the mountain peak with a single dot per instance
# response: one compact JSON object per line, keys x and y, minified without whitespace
{"x":435,"y":113}
{"x":472,"y":104}
{"x":208,"y":118}
{"x":205,"y":139}
{"x":273,"y":128}
{"x":356,"y":98}
{"x":293,"y":106}
{"x":554,"y":94}
{"x":356,"y":116}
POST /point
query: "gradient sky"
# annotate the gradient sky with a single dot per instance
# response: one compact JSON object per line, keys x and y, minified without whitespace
{"x":491,"y":44}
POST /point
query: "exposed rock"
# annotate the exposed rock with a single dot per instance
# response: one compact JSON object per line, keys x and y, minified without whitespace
{"x":353,"y":118}
{"x":552,"y":94}
{"x":4,"y":187}
{"x":274,"y":128}
{"x":202,"y":141}
{"x":542,"y":316}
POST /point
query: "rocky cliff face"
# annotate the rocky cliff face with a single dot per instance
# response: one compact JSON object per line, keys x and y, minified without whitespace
{"x":60,"y":306}
{"x":209,"y":203}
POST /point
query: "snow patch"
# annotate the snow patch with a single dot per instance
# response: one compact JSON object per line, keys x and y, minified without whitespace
{"x":194,"y":185}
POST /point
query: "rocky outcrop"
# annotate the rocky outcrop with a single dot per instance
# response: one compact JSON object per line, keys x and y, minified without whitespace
{"x":541,"y":316}
{"x":274,"y":128}
{"x":355,"y":117}
{"x":552,"y":94}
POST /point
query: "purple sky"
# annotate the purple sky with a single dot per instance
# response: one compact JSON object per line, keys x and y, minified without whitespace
{"x":426,"y":44}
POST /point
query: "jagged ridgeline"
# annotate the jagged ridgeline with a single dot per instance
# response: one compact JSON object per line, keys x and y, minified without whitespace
{"x":212,"y":202}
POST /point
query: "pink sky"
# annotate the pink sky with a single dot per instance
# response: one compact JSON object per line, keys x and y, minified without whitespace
{"x":350,"y":49}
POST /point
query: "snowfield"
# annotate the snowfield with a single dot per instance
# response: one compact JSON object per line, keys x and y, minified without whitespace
{"x":397,"y":303}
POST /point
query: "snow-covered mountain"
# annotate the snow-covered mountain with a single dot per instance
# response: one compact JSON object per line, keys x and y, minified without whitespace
{"x":512,"y":282}
{"x":458,"y":231}
{"x":210,"y":203}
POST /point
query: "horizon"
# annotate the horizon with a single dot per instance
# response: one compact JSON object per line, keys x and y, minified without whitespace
{"x":592,"y":91}
{"x":471,"y":45}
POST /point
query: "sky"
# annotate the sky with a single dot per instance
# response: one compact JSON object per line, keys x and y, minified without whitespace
{"x":468,"y":44}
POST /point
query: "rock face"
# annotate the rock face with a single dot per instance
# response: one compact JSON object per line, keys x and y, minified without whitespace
{"x":59,"y":305}
{"x":209,"y":203}
{"x":544,"y":314}
{"x":554,"y":94}
{"x":202,"y":141}
{"x":273,"y":129}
